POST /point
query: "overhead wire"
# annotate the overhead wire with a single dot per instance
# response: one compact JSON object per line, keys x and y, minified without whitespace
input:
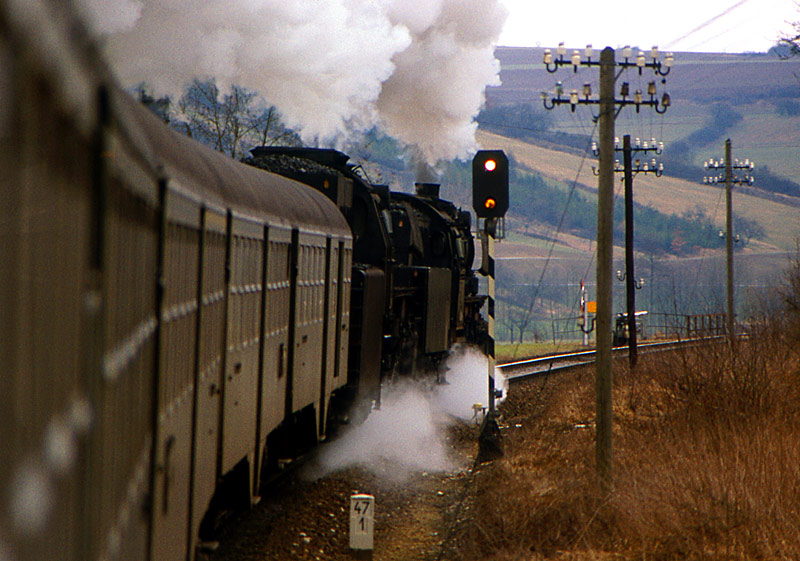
{"x":698,"y":276}
{"x":636,"y":123}
{"x":706,"y":23}
{"x":584,"y":125}
{"x":650,"y":126}
{"x":539,"y":284}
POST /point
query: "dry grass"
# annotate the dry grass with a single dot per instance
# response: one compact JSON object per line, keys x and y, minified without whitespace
{"x":706,"y":462}
{"x":509,"y":352}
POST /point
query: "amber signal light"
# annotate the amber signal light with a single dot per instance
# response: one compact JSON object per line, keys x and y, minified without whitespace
{"x":490,"y":184}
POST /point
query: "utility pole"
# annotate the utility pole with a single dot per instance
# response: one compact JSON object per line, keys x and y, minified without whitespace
{"x":729,"y":237}
{"x":729,"y":165}
{"x":629,"y":171}
{"x":605,"y":254}
{"x":630,"y":288}
{"x":605,"y":206}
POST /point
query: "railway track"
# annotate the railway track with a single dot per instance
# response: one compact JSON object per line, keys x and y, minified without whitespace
{"x":521,"y":370}
{"x":423,"y":514}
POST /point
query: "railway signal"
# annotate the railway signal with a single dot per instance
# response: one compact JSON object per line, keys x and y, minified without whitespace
{"x":490,"y":184}
{"x":490,"y":201}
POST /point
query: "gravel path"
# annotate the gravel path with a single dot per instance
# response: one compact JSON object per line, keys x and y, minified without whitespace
{"x":307,"y":518}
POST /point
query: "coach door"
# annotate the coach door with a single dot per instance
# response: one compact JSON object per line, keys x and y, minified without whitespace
{"x":308,"y":312}
{"x":175,"y":385}
{"x":208,"y":373}
{"x":240,"y":383}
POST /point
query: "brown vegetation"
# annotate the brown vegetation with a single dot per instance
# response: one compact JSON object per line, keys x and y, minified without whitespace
{"x":706,"y":459}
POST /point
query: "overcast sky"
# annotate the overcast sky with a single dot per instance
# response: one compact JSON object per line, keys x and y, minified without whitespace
{"x":675,"y":25}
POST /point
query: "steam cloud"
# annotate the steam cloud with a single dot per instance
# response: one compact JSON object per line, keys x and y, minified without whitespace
{"x":407,"y":434}
{"x":417,"y":69}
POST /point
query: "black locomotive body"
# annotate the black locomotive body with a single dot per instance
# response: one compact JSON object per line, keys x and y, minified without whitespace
{"x":412,"y":257}
{"x":175,"y":323}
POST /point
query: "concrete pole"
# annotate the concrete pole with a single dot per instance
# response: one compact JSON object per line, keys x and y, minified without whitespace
{"x":492,"y":361}
{"x":490,"y":444}
{"x":605,"y":248}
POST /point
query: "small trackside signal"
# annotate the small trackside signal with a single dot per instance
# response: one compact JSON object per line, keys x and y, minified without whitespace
{"x":490,"y":183}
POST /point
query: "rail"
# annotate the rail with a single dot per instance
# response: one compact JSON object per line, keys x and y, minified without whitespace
{"x":560,"y":362}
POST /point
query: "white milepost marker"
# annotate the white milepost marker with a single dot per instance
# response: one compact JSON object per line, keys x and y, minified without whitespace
{"x":362,"y":522}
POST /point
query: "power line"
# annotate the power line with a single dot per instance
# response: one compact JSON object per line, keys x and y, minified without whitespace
{"x":705,"y":24}
{"x":539,"y":284}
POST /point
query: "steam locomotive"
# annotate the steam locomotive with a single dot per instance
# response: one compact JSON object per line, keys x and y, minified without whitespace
{"x":174,"y":324}
{"x":417,"y":252}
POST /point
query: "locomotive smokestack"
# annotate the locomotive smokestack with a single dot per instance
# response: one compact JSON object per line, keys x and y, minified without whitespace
{"x":427,"y":190}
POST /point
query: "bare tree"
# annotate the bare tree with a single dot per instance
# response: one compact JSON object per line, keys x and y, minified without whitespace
{"x":274,"y":133}
{"x":158,"y":105}
{"x":232,"y":123}
{"x":789,"y":45}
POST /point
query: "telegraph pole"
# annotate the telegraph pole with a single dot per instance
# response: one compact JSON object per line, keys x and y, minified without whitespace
{"x":630,"y":288}
{"x":629,"y":170}
{"x":605,"y":249}
{"x":605,"y":204}
{"x":729,"y":165}
{"x":729,"y":237}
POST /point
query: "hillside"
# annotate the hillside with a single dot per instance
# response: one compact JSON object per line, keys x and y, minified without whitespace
{"x":781,"y":222}
{"x":699,"y":77}
{"x":763,"y":89}
{"x":539,"y":266}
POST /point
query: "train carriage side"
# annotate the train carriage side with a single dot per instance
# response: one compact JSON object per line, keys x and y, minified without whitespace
{"x":146,"y":306}
{"x":279,"y":237}
{"x":178,"y":267}
{"x":210,"y":354}
{"x":275,"y":331}
{"x":241,"y":362}
{"x":46,"y":153}
{"x":141,"y":271}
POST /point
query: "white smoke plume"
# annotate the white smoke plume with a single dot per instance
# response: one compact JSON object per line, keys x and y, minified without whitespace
{"x":417,"y":69}
{"x":437,"y":88}
{"x":408,"y":433}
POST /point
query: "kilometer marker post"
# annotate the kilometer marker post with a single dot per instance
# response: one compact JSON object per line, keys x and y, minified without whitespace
{"x":362,"y":525}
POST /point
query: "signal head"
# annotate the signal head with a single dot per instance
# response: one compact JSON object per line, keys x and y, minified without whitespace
{"x":490,"y":183}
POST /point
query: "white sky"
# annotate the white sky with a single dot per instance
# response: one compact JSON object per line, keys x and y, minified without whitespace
{"x":673,"y":25}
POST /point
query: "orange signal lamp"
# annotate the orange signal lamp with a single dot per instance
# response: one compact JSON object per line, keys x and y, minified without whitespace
{"x":490,"y":165}
{"x":490,"y":203}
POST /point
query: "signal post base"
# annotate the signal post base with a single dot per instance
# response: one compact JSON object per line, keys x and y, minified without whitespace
{"x":490,"y":441}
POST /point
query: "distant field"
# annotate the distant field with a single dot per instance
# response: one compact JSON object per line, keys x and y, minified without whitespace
{"x":667,"y":195}
{"x":750,"y":83}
